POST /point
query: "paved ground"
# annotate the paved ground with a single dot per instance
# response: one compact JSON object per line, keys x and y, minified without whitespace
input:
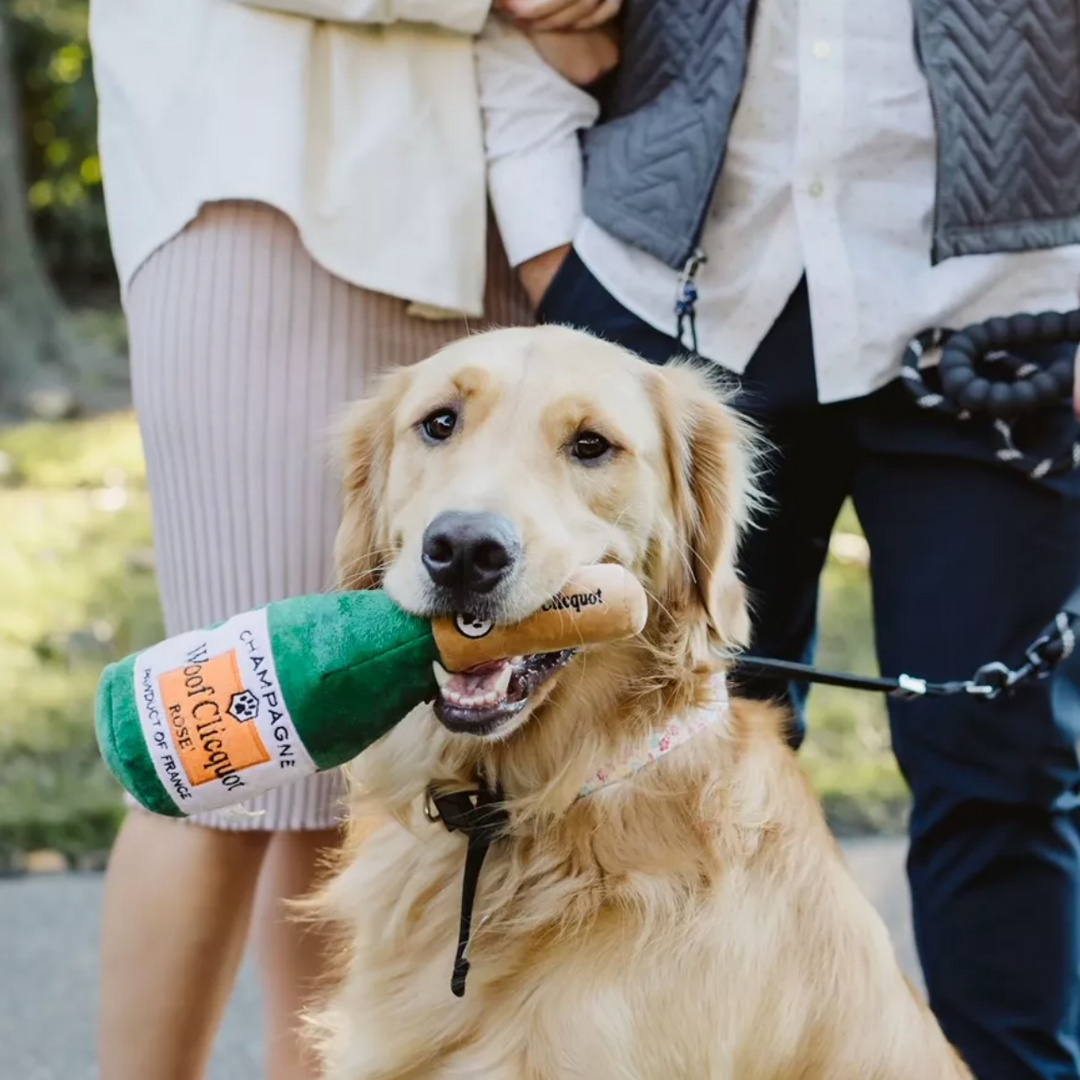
{"x":48,"y":959}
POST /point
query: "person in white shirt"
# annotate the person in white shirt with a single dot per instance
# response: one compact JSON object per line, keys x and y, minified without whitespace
{"x":818,"y":233}
{"x":296,"y":199}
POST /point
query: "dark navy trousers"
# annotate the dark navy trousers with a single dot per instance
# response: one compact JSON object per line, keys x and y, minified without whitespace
{"x":970,"y":559}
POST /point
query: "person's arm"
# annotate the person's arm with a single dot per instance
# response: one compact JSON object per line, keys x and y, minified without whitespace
{"x":464,"y":16}
{"x":582,"y":57}
{"x":532,"y":119}
{"x":542,"y":15}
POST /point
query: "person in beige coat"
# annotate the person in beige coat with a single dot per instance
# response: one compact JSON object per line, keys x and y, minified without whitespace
{"x":296,"y":199}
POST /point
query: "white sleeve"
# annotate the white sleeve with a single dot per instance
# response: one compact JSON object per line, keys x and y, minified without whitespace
{"x":532,"y":117}
{"x":465,"y":16}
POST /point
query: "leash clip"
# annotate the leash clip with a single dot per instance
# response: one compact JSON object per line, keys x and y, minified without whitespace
{"x":1052,"y":647}
{"x":1041,"y":658}
{"x":992,"y":679}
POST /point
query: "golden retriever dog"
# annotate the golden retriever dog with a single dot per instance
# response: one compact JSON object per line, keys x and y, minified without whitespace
{"x":685,"y":917}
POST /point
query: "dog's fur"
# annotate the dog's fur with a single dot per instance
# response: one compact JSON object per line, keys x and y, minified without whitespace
{"x":694,"y":921}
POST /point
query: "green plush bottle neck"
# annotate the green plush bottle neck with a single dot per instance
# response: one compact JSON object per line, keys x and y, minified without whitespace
{"x":358,"y":662}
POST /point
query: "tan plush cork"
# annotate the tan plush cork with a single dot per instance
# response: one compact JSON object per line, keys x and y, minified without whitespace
{"x":599,"y":603}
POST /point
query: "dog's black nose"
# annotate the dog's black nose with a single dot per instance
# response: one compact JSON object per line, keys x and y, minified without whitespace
{"x":469,"y":553}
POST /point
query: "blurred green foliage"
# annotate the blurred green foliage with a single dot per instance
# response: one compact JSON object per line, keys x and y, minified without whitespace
{"x":51,"y":58}
{"x":848,"y":752}
{"x":79,"y":591}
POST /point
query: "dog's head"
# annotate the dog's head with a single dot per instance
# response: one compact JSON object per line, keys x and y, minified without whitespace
{"x":478,"y":480}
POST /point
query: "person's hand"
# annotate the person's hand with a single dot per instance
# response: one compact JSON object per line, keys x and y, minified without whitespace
{"x":537,"y":273}
{"x":536,"y":15}
{"x":579,"y":56}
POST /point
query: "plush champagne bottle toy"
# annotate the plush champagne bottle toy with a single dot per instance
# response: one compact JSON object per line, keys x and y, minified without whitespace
{"x":209,"y":718}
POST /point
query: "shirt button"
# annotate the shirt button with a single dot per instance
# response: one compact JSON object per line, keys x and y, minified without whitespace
{"x":816,"y":189}
{"x":822,"y":50}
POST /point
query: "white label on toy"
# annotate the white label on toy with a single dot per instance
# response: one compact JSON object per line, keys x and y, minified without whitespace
{"x":214,"y":717}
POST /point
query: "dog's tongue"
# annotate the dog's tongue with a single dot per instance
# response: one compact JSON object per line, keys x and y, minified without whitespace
{"x":485,"y":684}
{"x":477,"y":680}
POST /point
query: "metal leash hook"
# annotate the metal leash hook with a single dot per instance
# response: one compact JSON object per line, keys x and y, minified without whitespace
{"x":1041,"y":658}
{"x":991,"y":680}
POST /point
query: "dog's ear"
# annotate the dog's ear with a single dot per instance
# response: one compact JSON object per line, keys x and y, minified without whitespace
{"x":367,"y":441}
{"x":709,"y":450}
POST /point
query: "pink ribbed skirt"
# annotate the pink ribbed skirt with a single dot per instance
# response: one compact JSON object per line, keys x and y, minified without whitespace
{"x":243,"y":353}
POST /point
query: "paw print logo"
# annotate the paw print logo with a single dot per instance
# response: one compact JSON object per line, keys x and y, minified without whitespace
{"x":244,"y":706}
{"x":472,"y":627}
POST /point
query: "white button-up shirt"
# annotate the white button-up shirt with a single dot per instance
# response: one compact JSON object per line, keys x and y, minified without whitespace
{"x":830,"y":171}
{"x":359,"y":119}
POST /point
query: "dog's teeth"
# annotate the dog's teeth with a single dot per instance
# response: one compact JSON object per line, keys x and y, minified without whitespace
{"x":474,"y":697}
{"x":502,"y":684}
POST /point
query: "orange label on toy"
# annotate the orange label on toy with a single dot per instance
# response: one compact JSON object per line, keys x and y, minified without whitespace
{"x":210,"y":713}
{"x":214,"y":715}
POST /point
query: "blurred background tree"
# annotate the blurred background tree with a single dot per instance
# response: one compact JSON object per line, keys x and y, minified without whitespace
{"x":53,"y":243}
{"x":52,"y":64}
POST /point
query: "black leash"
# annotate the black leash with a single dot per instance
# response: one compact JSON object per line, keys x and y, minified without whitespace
{"x":970,"y":382}
{"x":1056,"y":643}
{"x":978,"y":375}
{"x":481,"y":816}
{"x":478,"y":814}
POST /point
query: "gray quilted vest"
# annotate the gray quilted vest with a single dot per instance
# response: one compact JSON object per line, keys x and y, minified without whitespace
{"x":1004,"y":78}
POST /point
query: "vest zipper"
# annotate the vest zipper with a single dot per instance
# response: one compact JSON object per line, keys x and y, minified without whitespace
{"x":935,"y":221}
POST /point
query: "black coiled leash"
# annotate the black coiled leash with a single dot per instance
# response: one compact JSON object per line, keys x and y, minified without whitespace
{"x":978,"y":375}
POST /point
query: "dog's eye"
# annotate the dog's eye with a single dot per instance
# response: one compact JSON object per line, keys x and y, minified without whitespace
{"x":440,"y":425}
{"x":588,"y":446}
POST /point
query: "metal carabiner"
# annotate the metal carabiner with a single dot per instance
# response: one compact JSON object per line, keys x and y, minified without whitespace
{"x":991,"y":679}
